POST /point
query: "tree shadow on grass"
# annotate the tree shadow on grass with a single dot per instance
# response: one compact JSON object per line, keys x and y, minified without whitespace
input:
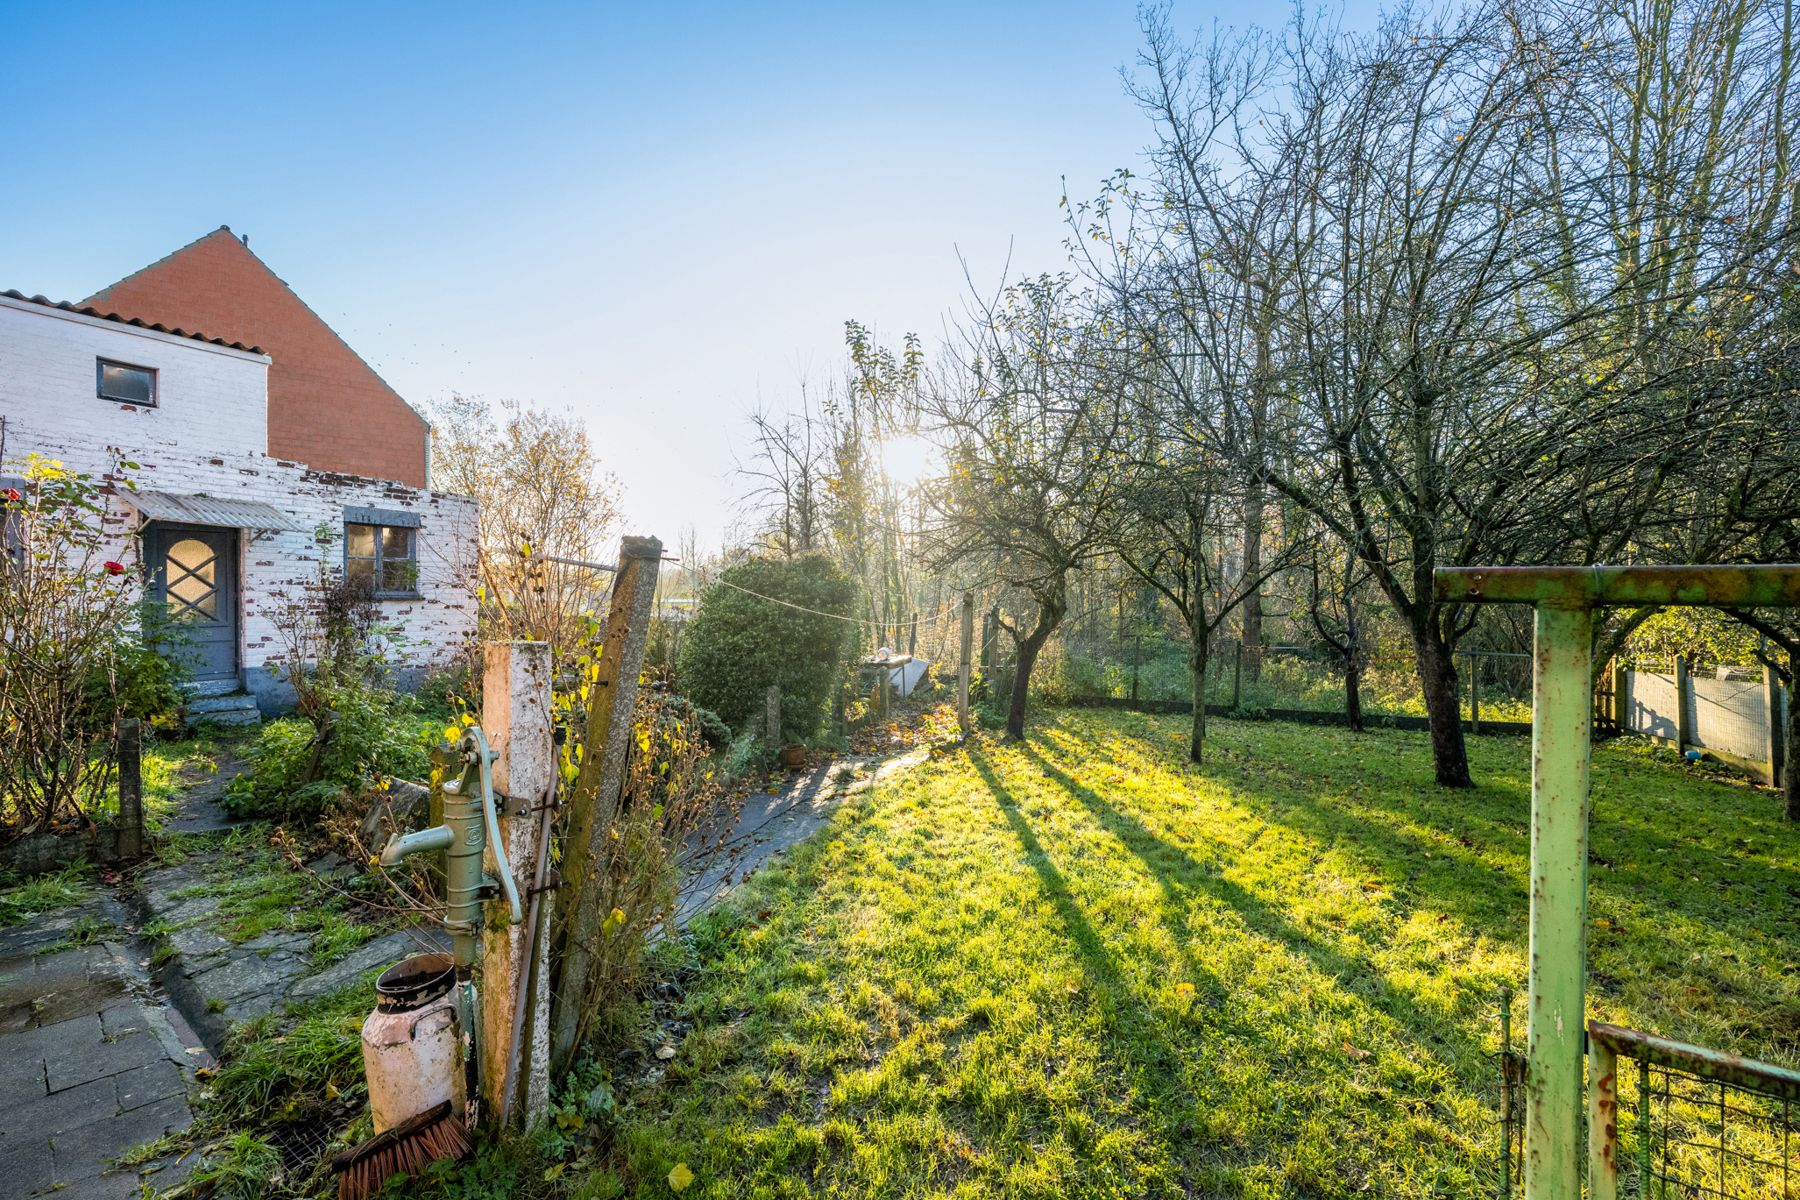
{"x":1412,"y":1021}
{"x":1381,"y":826}
{"x":1136,"y":1038}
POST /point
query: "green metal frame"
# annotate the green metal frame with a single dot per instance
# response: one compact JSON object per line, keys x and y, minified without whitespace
{"x":1562,"y":712}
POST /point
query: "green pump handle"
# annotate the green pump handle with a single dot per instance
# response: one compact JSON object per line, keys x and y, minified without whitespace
{"x":475,"y":743}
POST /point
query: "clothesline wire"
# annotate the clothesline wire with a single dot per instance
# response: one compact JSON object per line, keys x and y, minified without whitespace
{"x":932,"y":615}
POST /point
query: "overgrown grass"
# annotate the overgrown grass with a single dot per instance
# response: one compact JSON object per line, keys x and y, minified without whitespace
{"x":168,"y":768}
{"x":1081,"y":967}
{"x":257,"y":890}
{"x":21,"y":900}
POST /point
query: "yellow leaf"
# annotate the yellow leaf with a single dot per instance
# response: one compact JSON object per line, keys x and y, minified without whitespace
{"x":680,"y":1178}
{"x":1185,"y":991}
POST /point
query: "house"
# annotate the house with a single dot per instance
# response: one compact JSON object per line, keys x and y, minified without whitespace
{"x":327,"y":407}
{"x":235,"y":508}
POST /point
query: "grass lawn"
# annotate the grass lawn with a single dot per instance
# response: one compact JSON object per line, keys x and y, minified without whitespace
{"x":1081,"y":967}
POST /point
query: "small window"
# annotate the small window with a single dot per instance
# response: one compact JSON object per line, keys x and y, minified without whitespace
{"x":382,"y":558}
{"x":125,"y":383}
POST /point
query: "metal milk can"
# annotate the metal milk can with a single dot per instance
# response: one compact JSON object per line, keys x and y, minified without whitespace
{"x":412,"y":1042}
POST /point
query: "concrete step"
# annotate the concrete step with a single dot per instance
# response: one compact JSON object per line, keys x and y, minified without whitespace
{"x":210,"y":687}
{"x":236,"y":709}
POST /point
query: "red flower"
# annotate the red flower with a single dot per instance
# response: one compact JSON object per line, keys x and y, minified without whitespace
{"x":10,"y":495}
{"x":113,"y":568}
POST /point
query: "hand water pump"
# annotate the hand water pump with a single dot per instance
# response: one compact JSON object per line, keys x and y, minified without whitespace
{"x":419,"y":1045}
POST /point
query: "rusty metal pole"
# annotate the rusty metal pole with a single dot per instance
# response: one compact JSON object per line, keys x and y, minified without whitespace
{"x":1562,"y":712}
{"x":1603,"y":1122}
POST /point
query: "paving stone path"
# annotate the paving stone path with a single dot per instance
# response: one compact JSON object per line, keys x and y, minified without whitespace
{"x":202,"y":808}
{"x":92,"y":1065}
{"x":770,"y":825}
{"x":217,"y":983}
{"x":98,"y":1051}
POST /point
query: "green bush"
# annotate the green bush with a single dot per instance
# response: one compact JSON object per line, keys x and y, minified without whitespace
{"x":713,"y":729}
{"x":142,"y":678}
{"x":740,"y":644}
{"x":296,"y":772}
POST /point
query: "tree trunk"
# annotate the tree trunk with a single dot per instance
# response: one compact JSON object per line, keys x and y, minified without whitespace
{"x":1437,"y":678}
{"x":1197,"y":672}
{"x":1353,"y":691}
{"x":1251,"y":605}
{"x":1047,"y":621}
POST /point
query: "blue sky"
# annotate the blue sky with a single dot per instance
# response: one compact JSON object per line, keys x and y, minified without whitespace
{"x":653,"y":215}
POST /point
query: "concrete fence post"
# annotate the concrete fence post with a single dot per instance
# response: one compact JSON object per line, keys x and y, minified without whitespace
{"x":516,"y":716}
{"x":1621,"y":696}
{"x":963,"y":665}
{"x":130,"y":829}
{"x":990,"y":646}
{"x":1771,"y":712}
{"x":594,"y":802}
{"x":1474,"y":693}
{"x":1684,"y":732}
{"x":1137,"y":658}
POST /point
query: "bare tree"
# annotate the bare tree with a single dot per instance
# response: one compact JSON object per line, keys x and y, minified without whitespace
{"x":546,"y":509}
{"x":1030,"y":416}
{"x":1487,"y":348}
{"x":788,"y":469}
{"x":1178,"y":513}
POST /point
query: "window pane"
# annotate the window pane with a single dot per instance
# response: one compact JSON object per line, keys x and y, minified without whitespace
{"x":359,"y":541}
{"x":131,"y":384}
{"x":396,"y":542}
{"x":399,"y":575}
{"x":360,"y":572}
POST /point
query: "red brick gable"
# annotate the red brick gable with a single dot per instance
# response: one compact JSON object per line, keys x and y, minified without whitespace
{"x":327,"y":407}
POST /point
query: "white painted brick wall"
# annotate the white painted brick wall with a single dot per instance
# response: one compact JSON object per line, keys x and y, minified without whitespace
{"x":208,"y":435}
{"x":208,"y":397}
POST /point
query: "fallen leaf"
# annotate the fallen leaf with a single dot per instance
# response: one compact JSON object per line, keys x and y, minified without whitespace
{"x":1357,"y":1052}
{"x":665,"y":1052}
{"x":681,"y":1177}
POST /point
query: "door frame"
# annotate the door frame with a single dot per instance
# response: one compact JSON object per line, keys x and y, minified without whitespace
{"x":154,"y":539}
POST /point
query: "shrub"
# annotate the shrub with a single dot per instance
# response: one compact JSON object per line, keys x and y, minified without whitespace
{"x":298,"y":770}
{"x":671,"y":812}
{"x":71,"y":662}
{"x":746,"y":637}
{"x":351,"y":725}
{"x":713,"y":729}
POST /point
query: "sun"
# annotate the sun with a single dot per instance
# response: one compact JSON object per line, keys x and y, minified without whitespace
{"x":909,"y":460}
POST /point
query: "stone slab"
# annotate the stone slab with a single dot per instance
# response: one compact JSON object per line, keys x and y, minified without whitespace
{"x":28,"y":1169}
{"x":381,"y":952}
{"x":96,"y":1056}
{"x":87,"y":1150}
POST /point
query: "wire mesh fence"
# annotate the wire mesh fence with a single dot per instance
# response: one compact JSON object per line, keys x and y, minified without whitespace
{"x":1670,"y":1121}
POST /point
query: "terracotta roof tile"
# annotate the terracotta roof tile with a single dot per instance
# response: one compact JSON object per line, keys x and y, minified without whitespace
{"x":90,"y":311}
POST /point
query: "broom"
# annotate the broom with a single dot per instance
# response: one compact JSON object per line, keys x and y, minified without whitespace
{"x":406,"y":1149}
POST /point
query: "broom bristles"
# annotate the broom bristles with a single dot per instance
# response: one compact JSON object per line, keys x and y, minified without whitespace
{"x":409,"y":1148}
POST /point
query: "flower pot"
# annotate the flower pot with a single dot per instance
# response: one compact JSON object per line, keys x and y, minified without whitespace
{"x":792,"y":755}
